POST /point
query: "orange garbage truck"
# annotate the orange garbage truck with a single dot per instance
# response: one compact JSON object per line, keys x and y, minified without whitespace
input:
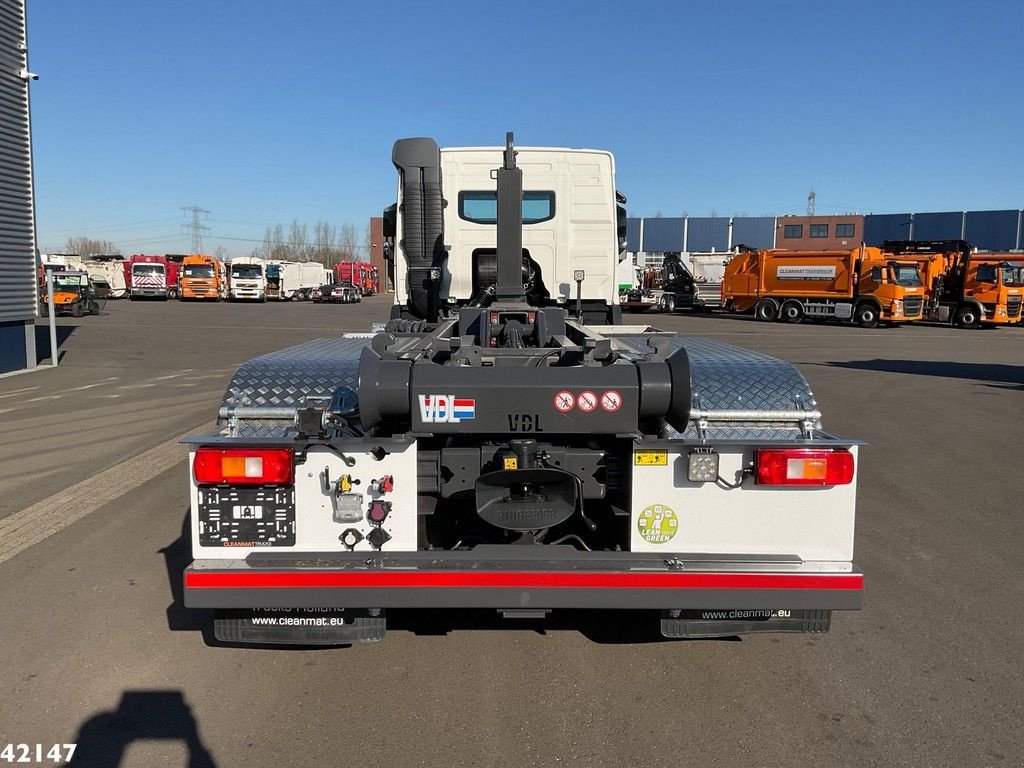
{"x":863,"y":286}
{"x":203,"y":277}
{"x":964,"y":287}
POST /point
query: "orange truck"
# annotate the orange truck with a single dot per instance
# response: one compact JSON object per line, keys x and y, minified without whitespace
{"x":863,"y":286}
{"x":203,"y":277}
{"x":964,"y":287}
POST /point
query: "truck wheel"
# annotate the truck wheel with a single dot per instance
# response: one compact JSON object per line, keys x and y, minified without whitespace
{"x":766,"y":310}
{"x":44,"y":308}
{"x":670,"y":303}
{"x":792,"y":312}
{"x":77,"y":310}
{"x":966,"y":317}
{"x":866,"y":315}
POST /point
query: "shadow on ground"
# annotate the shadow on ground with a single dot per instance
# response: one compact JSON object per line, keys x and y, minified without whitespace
{"x":104,"y":738}
{"x":43,"y":340}
{"x":998,"y":373}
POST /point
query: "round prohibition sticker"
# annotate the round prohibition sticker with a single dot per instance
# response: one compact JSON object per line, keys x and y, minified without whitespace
{"x":657,"y":524}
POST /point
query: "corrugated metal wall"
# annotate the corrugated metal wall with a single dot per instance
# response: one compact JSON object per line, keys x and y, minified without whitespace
{"x":711,"y":234}
{"x":17,"y":230}
{"x":948,"y":225}
{"x":886,"y":226}
{"x":633,"y":235}
{"x":661,"y":235}
{"x":992,"y":230}
{"x":755,"y":232}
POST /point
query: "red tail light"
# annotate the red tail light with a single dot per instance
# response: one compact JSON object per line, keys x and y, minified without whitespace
{"x":244,"y":466}
{"x":799,"y":466}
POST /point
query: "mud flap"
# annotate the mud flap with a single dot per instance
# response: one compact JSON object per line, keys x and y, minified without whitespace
{"x":728,"y":622}
{"x":300,"y":626}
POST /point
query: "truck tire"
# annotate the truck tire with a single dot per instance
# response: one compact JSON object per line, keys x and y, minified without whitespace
{"x":44,"y":309}
{"x":77,"y":310}
{"x":670,"y":303}
{"x":967,"y":317}
{"x":766,"y":310}
{"x":792,"y":312}
{"x":866,"y":315}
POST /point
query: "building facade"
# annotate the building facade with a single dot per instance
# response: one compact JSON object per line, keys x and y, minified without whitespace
{"x":17,"y":209}
{"x":819,"y":233}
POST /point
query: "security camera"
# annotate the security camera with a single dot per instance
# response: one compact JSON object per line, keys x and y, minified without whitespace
{"x":24,"y":74}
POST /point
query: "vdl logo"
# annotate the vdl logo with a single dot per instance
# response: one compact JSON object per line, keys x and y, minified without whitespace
{"x":446,"y":409}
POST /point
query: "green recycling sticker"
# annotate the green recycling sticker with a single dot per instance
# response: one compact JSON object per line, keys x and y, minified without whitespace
{"x":657,"y":524}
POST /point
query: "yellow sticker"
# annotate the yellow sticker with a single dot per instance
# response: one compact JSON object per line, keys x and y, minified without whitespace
{"x":650,"y":458}
{"x":511,"y":462}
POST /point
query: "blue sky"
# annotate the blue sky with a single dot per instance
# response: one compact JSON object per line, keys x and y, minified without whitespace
{"x":266,"y":111}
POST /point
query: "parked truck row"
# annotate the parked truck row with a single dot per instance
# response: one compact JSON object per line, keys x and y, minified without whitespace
{"x":903,"y":281}
{"x":203,"y":277}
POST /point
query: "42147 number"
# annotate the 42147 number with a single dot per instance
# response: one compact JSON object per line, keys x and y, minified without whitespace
{"x":37,"y":753}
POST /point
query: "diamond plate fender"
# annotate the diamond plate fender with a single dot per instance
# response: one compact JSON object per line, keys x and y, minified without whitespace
{"x":284,"y":379}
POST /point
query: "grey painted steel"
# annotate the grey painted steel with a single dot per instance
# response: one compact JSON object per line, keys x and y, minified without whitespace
{"x":17,"y":222}
{"x":707,"y":234}
{"x":738,"y":393}
{"x":725,"y":379}
{"x":947,"y":225}
{"x":663,"y":235}
{"x":991,"y":230}
{"x":509,"y":284}
{"x":756,"y":232}
{"x":633,"y":235}
{"x":886,"y":226}
{"x":576,"y":597}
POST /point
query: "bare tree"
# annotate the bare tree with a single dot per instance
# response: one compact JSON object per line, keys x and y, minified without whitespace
{"x":324,"y":237}
{"x":348,"y":242}
{"x":279,"y":250}
{"x":298,"y":240}
{"x":221,"y":253}
{"x":86,"y":246}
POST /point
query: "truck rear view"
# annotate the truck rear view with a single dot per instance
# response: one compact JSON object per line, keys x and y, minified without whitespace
{"x":506,"y":443}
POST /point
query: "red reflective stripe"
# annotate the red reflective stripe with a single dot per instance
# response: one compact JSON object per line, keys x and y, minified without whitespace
{"x":517,"y":580}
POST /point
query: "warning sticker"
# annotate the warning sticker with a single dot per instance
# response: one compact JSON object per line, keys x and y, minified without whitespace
{"x":650,"y":458}
{"x":587,"y":401}
{"x":657,"y":524}
{"x":611,"y":400}
{"x":564,"y":401}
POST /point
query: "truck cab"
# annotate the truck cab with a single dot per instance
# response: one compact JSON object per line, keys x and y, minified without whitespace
{"x":965,"y":287}
{"x":202,"y":277}
{"x":572,"y":228}
{"x":148,"y":277}
{"x":897,"y":287}
{"x":248,"y":281}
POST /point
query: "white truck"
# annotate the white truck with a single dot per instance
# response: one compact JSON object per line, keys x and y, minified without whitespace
{"x":505,"y":442}
{"x":247,"y":279}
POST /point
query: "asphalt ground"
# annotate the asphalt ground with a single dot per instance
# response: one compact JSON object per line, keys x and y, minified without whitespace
{"x":95,"y":648}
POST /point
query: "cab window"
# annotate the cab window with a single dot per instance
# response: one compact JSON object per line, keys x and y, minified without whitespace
{"x":482,"y":207}
{"x":987,"y":273}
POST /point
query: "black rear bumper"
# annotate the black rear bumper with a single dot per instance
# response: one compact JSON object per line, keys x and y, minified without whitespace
{"x":473,"y":580}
